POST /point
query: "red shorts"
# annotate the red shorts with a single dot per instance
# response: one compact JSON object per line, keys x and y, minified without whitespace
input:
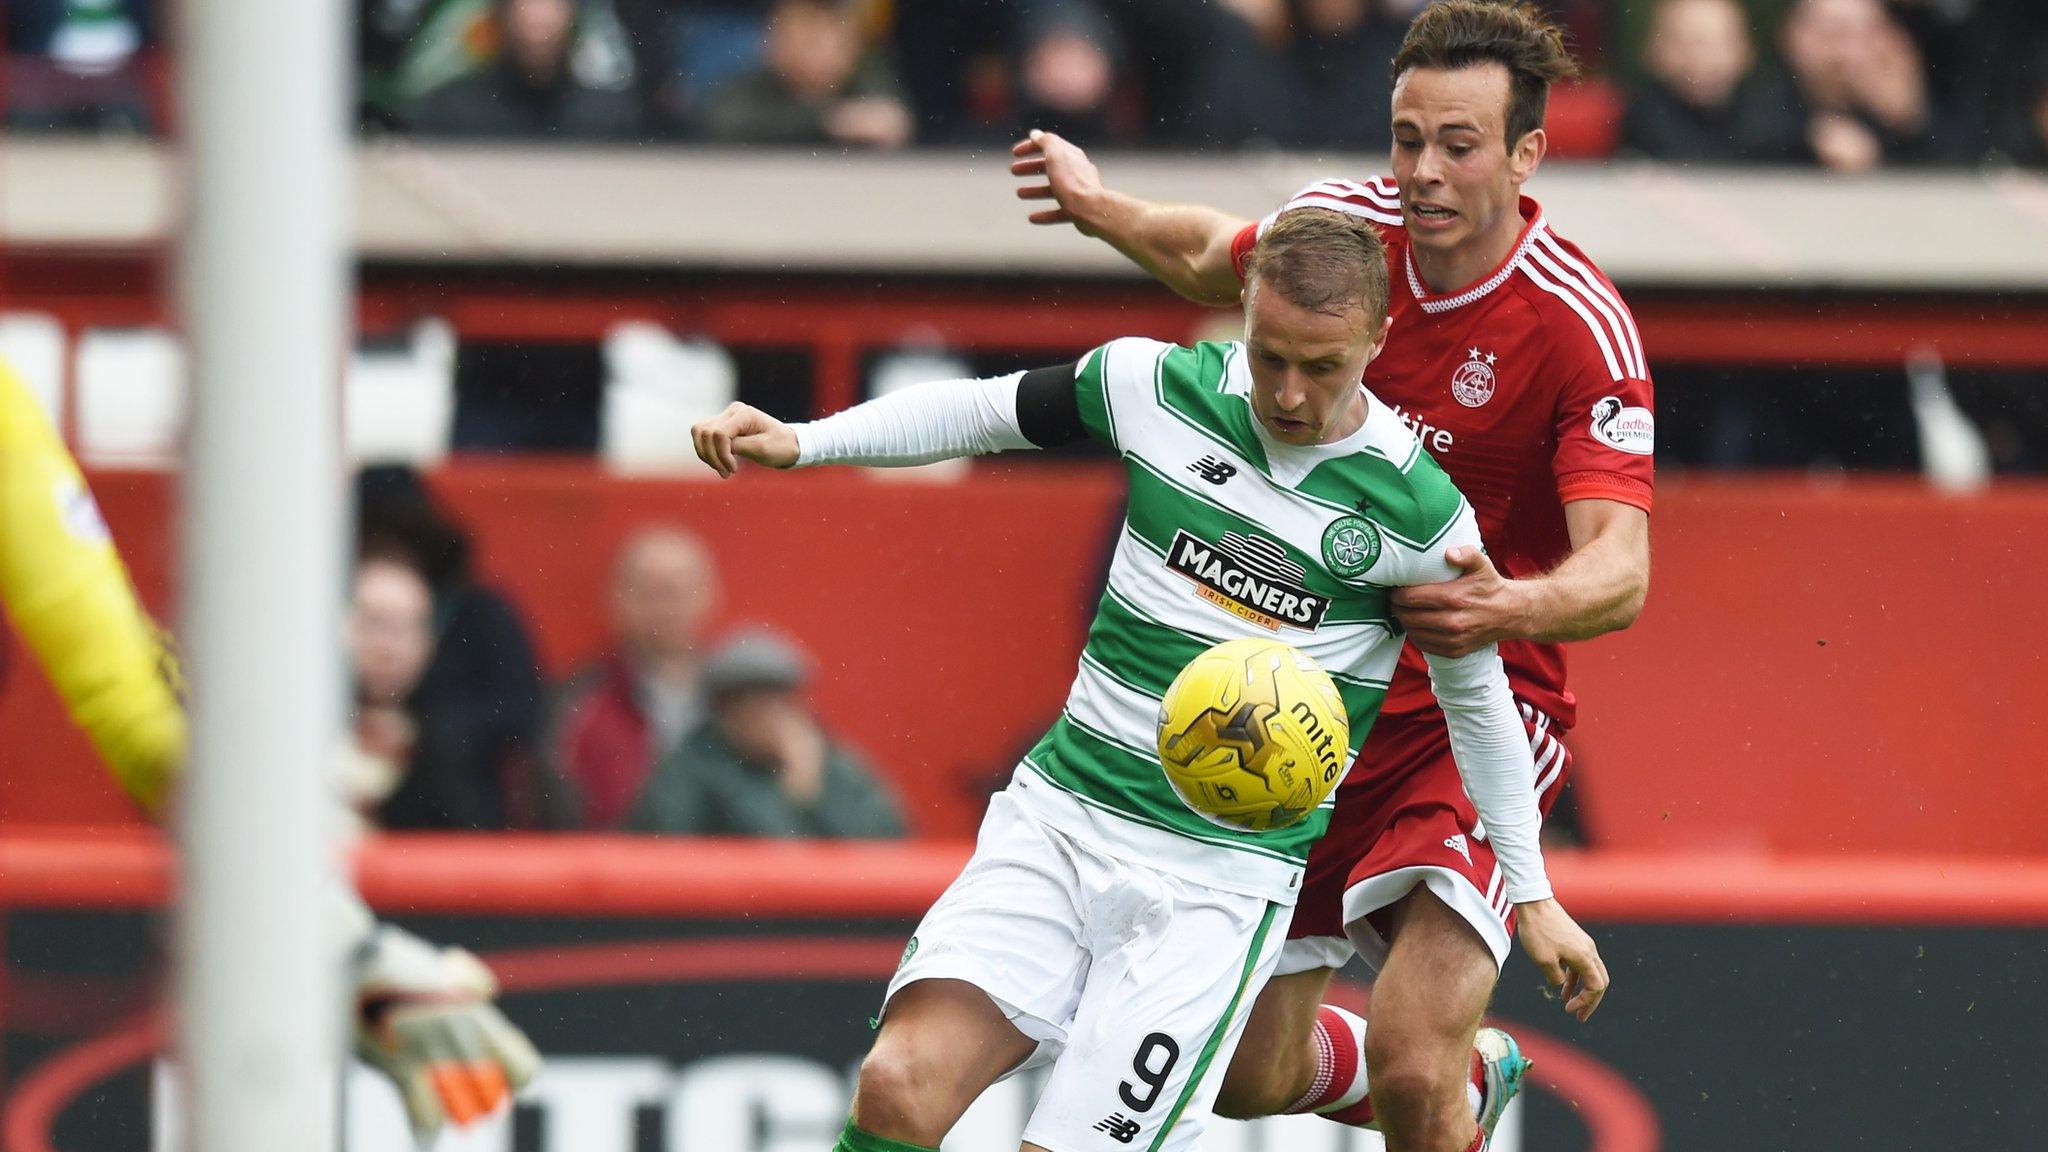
{"x":1403,"y":819}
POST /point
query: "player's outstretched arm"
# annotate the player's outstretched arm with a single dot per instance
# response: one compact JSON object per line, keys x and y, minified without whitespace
{"x":1599,"y":588}
{"x":1491,"y":748}
{"x":69,"y":596}
{"x":434,"y":1028}
{"x":921,"y":424}
{"x":1492,"y":752}
{"x":1602,"y":585}
{"x":1185,"y":246}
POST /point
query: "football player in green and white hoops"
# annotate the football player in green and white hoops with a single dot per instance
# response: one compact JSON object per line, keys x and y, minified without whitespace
{"x":1101,"y":925}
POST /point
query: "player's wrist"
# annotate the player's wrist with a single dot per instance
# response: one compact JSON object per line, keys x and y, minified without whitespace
{"x":1531,"y":606}
{"x":803,"y":443}
{"x":1103,"y":214}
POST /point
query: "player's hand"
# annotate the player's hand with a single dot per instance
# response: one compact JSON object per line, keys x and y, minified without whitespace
{"x":1460,"y":616}
{"x":424,"y":1018}
{"x":741,"y":433}
{"x":1565,"y":954}
{"x":1069,"y":179}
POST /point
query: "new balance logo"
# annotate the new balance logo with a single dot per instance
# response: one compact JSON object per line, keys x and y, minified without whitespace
{"x":1122,"y":1129}
{"x":1457,"y":844}
{"x":1213,"y":470}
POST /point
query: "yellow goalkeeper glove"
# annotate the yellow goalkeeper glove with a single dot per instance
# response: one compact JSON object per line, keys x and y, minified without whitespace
{"x":424,"y":1018}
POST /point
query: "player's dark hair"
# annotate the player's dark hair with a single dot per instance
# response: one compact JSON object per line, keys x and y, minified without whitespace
{"x":1323,"y":260}
{"x":1517,"y":35}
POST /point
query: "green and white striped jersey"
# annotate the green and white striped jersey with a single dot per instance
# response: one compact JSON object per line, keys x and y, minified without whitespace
{"x":1229,"y":533}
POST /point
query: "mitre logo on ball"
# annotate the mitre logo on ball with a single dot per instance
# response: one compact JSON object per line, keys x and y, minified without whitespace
{"x":1472,"y":383}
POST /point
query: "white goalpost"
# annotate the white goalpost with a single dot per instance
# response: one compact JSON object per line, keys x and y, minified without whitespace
{"x":262,"y":293}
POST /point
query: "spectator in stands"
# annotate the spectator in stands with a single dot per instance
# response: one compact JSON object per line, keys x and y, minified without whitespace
{"x":616,"y":718}
{"x":477,"y":704}
{"x":390,"y":643}
{"x":1067,"y":73}
{"x":1853,"y":95}
{"x":761,"y":765}
{"x":817,"y":85}
{"x":1699,"y":86}
{"x":1343,"y":52}
{"x":2025,"y":140}
{"x":535,"y":89}
{"x":954,"y":57}
{"x":73,"y":66}
{"x":1215,"y":75}
{"x":1969,"y":49}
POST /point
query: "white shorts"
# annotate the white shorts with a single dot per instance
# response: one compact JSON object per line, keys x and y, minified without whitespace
{"x":1136,"y":984}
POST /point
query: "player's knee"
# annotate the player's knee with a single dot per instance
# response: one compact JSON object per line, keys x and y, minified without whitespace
{"x":1414,"y":1062}
{"x":1412,"y":1076}
{"x":899,"y":1095}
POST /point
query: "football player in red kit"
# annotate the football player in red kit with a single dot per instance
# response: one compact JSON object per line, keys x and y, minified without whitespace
{"x":1519,"y":367}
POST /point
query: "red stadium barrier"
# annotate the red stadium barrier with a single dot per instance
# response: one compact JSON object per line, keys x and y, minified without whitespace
{"x":1852,"y":666}
{"x":671,"y":877}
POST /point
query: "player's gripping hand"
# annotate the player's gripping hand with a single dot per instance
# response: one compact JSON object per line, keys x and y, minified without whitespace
{"x":424,"y":1018}
{"x":1565,"y":954}
{"x":1462,"y":615}
{"x":742,"y":432}
{"x":1070,"y":179}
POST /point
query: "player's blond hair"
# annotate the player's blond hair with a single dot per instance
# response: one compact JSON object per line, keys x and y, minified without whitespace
{"x":1323,"y":260}
{"x":1515,"y":34}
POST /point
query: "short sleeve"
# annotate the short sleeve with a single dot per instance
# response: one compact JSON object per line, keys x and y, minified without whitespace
{"x":1242,"y":244}
{"x":1417,"y":523}
{"x":1114,"y":387}
{"x":1606,"y":439}
{"x":1377,"y":200}
{"x":1407,"y":562}
{"x":1605,"y":419}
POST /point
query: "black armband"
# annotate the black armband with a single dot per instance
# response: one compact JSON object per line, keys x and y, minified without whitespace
{"x":1048,"y":413}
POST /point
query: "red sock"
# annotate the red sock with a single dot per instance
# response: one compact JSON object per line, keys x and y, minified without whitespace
{"x":1339,"y":1091}
{"x":1339,"y":1088}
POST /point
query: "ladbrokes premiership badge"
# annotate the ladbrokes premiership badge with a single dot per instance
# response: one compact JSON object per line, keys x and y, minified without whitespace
{"x":1472,"y":383}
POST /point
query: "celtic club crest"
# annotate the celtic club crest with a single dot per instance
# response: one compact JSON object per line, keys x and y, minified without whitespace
{"x":1350,"y":546}
{"x":1472,"y":383}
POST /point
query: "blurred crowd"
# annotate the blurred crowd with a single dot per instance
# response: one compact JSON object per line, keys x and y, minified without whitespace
{"x":1848,"y":84}
{"x":687,"y":724}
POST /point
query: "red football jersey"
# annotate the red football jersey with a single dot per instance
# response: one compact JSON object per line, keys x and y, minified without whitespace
{"x":1529,"y":388}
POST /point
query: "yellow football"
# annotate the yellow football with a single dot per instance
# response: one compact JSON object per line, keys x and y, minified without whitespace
{"x":1253,"y":735}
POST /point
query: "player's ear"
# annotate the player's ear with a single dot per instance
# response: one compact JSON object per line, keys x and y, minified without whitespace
{"x":1528,"y":154}
{"x":1379,"y":341}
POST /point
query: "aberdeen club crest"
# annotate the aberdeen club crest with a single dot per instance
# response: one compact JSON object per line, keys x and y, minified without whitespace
{"x":1472,"y":383}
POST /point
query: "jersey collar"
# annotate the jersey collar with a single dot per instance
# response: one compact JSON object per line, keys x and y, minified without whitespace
{"x":1532,"y":224}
